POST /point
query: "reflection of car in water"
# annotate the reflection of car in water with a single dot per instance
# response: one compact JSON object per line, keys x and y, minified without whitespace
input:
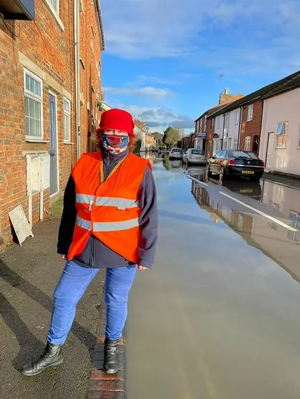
{"x":175,"y":164}
{"x":250,"y":189}
{"x":235,"y":163}
{"x":198,"y":172}
{"x":194,"y":156}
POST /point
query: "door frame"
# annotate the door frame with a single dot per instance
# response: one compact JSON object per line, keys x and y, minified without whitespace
{"x":267,"y":148}
{"x":57,"y":152}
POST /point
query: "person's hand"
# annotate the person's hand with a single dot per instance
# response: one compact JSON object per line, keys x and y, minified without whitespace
{"x":142,"y":268}
{"x":64,"y":257}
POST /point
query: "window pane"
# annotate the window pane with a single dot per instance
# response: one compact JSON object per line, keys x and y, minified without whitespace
{"x":27,"y":127}
{"x":33,"y":85}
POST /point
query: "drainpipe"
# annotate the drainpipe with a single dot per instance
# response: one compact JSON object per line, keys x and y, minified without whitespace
{"x":240,"y":125}
{"x":261,"y":125}
{"x":223,"y":131}
{"x":77,"y":77}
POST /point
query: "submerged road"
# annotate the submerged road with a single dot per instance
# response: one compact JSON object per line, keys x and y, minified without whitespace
{"x":218,"y":317}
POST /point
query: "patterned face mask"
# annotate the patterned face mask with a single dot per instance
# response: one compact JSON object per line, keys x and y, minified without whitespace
{"x":115,"y":144}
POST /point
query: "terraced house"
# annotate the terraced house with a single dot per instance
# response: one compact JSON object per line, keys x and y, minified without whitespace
{"x":239,"y":124}
{"x":50,"y":104}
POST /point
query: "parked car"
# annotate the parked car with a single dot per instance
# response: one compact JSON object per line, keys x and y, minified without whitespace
{"x":236,"y":163}
{"x":175,"y":153}
{"x":194,"y":156}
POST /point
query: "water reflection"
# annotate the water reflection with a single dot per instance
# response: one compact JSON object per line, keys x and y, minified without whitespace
{"x":276,"y":242}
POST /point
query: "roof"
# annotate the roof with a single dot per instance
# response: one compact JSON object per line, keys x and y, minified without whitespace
{"x":288,"y":83}
{"x":97,"y":6}
{"x":214,"y":109}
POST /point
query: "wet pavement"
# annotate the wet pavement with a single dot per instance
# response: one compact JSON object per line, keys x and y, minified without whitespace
{"x":218,"y":317}
{"x":28,"y":276}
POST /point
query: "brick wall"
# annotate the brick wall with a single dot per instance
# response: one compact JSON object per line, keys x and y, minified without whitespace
{"x":90,"y":74}
{"x":253,"y":127}
{"x":209,"y":137}
{"x":45,"y":47}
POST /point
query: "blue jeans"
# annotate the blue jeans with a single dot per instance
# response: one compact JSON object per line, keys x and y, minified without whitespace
{"x":72,"y":285}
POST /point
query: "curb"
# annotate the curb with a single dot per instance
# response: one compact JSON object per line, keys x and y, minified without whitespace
{"x":102,"y":385}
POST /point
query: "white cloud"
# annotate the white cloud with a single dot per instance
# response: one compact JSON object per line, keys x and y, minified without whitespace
{"x":141,"y":91}
{"x":159,"y":119}
{"x":139,"y":29}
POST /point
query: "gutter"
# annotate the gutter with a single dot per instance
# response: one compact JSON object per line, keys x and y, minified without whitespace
{"x":77,"y":77}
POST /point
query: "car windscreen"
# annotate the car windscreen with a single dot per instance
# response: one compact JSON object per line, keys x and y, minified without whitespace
{"x":176,"y":150}
{"x":239,"y":154}
{"x":197,"y":152}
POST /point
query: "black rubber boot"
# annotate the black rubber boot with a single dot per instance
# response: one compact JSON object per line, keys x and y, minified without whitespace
{"x":51,"y":357}
{"x":111,"y":361}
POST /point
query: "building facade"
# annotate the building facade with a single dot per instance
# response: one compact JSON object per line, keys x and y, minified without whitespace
{"x":280,"y":134}
{"x":38,"y":131}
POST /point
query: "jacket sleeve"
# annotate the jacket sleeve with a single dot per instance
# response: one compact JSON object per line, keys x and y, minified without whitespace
{"x":148,"y":221}
{"x":68,"y":218}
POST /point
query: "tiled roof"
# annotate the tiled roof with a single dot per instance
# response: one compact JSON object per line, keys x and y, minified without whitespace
{"x":288,"y":83}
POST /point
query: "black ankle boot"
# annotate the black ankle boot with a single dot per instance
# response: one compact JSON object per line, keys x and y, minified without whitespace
{"x":52,"y":356}
{"x":111,"y":361}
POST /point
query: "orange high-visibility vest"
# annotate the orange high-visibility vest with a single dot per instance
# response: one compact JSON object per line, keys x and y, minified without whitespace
{"x":110,"y":211}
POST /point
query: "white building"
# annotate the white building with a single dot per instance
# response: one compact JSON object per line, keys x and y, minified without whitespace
{"x":280,"y":135}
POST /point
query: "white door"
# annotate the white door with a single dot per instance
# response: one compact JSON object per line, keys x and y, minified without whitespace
{"x":270,"y":150}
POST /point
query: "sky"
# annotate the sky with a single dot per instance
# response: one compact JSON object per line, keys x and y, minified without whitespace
{"x":166,"y":61}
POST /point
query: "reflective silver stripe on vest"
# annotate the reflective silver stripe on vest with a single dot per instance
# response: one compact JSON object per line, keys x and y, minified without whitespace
{"x":84,"y":198}
{"x":115,"y":226}
{"x":84,"y":224}
{"x":120,"y":203}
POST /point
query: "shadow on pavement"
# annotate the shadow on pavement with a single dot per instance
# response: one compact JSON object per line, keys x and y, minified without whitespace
{"x":30,"y":346}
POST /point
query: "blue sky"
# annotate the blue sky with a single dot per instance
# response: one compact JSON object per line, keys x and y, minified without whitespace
{"x":163,"y":58}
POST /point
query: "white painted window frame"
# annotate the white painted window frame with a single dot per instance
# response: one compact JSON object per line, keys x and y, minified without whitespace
{"x":35,"y":97}
{"x":67,"y":114}
{"x":250,"y":112}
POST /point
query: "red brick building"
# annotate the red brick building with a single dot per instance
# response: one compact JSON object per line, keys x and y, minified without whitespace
{"x":251,"y":126}
{"x":38,"y":130}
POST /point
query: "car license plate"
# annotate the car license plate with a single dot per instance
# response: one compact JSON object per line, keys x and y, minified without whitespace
{"x":248,"y":172}
{"x":246,"y":191}
{"x":198,"y":158}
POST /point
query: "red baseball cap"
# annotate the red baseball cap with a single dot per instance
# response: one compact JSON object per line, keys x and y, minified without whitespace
{"x":116,"y":119}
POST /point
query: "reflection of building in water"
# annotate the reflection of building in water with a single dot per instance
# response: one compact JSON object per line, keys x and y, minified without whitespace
{"x":276,"y":242}
{"x":149,"y":156}
{"x":236,"y":219}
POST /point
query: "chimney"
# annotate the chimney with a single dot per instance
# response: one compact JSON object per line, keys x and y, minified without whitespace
{"x":224,"y":97}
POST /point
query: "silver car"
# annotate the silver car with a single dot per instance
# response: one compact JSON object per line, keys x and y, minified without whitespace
{"x":175,"y":153}
{"x":194,"y":156}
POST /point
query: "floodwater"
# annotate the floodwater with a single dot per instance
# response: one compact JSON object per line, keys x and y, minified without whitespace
{"x":218,"y":317}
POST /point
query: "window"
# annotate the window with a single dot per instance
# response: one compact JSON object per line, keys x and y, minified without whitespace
{"x":218,"y":122}
{"x":33,"y":106}
{"x":197,"y":152}
{"x":67,"y":120}
{"x":237,"y":116}
{"x":281,"y":134}
{"x":247,"y":143}
{"x":227,"y":118}
{"x":54,"y":4}
{"x":250,"y":113}
{"x":213,"y":123}
{"x":235,"y":144}
{"x":240,"y":221}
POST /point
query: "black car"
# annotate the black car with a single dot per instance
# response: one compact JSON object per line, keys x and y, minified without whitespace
{"x":236,"y":163}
